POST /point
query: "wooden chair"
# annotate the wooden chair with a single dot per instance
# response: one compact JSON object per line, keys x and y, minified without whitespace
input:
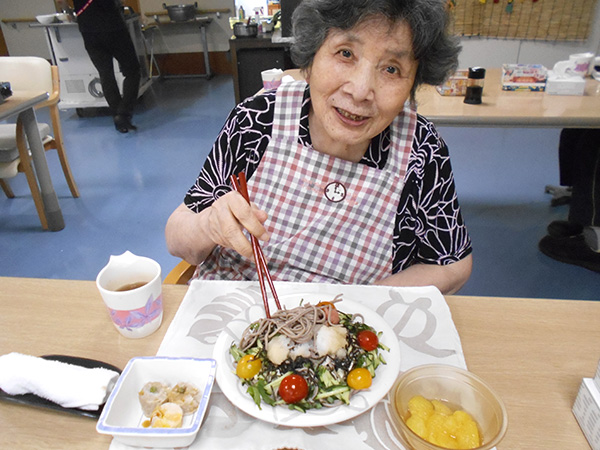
{"x":181,"y":273}
{"x":32,"y":74}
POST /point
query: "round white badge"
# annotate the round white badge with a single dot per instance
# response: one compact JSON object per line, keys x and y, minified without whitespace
{"x":335,"y":192}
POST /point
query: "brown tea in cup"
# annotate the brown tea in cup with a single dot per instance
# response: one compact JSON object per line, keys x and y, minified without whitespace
{"x":131,"y":286}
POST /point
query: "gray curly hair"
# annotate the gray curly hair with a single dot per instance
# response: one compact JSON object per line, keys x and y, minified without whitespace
{"x":433,"y":47}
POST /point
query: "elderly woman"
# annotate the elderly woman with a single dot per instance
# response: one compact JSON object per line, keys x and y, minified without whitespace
{"x":349,"y":184}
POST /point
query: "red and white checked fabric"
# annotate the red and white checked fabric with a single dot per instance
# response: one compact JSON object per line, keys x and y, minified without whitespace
{"x":330,"y":220}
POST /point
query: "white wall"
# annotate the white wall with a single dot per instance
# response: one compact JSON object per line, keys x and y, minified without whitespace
{"x":181,"y":38}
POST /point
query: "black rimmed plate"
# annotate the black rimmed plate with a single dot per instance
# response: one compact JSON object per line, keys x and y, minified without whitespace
{"x":34,"y":400}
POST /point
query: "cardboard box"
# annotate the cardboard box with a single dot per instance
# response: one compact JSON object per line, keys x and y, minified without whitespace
{"x":456,"y":85}
{"x":564,"y":86}
{"x":524,"y":77}
{"x":587,"y":412}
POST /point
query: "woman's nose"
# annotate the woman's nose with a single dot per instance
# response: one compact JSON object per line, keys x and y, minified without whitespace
{"x":361,"y":82}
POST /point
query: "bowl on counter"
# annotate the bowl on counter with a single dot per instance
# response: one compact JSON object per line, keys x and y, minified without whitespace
{"x":181,"y":13}
{"x":457,"y":388}
{"x":245,"y":30}
{"x":123,"y":417}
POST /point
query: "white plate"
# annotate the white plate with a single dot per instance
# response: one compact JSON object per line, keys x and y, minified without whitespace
{"x":360,"y":402}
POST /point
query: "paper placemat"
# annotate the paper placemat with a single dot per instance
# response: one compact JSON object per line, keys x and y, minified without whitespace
{"x":419,"y":316}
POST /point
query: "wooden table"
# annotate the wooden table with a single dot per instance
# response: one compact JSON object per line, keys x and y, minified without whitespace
{"x":512,"y":108}
{"x":533,"y":352}
{"x":22,"y":104}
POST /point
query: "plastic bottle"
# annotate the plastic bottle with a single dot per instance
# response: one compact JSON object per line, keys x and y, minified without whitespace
{"x":475,"y":85}
{"x":258,"y":22}
{"x":241,"y":13}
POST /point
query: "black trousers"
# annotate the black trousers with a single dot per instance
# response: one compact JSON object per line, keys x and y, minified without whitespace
{"x":102,"y":47}
{"x":579,"y":159}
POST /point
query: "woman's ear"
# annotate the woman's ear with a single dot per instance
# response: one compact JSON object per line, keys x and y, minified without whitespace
{"x":306,"y":73}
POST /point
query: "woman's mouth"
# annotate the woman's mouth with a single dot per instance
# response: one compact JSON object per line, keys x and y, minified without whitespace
{"x":350,"y":116}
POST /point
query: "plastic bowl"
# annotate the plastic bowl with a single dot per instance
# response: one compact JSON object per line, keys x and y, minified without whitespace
{"x":459,"y":388}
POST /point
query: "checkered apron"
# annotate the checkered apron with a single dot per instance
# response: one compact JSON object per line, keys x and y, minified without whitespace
{"x":330,"y":220}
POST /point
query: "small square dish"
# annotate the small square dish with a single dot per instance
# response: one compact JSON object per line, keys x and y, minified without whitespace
{"x":123,"y":417}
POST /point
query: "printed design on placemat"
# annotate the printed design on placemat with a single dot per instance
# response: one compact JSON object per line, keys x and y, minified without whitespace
{"x":137,"y":318}
{"x":215,"y":315}
{"x":413,"y":319}
{"x":419,"y":317}
{"x":415,"y":338}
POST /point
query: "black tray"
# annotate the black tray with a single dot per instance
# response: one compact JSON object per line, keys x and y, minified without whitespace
{"x":34,"y":400}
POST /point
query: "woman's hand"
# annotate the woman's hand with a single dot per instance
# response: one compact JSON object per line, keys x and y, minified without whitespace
{"x":192,"y":236}
{"x":229,"y":216}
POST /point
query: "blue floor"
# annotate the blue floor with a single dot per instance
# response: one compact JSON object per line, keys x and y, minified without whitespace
{"x":130,"y":183}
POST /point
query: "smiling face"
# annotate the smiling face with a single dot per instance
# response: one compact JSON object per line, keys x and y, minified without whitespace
{"x":359,"y":81}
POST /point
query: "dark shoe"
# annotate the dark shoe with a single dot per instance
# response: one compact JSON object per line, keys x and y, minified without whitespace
{"x":564,"y":229}
{"x":571,"y":250}
{"x":123,"y":123}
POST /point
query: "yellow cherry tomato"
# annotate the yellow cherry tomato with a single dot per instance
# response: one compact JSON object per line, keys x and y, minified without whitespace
{"x":359,"y":378}
{"x":248,"y":366}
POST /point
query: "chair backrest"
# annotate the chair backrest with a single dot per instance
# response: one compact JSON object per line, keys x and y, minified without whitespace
{"x":26,"y":73}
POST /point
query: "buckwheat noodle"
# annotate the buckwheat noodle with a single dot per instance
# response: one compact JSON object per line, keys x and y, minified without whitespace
{"x":298,"y":324}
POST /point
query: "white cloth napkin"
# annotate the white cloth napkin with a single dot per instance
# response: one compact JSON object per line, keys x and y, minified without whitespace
{"x":66,"y":384}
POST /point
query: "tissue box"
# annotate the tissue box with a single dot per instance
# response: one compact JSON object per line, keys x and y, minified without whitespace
{"x":523,"y":77}
{"x":456,"y":85}
{"x":587,"y":412}
{"x":564,"y":86}
{"x":597,"y":376}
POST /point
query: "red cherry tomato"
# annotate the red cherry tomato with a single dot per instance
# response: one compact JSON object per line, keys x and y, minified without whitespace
{"x":367,"y":340}
{"x":293,"y":388}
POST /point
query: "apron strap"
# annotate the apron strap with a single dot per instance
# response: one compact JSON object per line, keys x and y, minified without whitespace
{"x":402,"y":134}
{"x":288,"y":110}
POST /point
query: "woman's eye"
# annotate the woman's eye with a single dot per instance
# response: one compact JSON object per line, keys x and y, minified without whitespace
{"x":391,"y":70}
{"x":346,"y":53}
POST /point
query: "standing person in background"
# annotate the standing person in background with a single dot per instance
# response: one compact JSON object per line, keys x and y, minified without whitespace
{"x":105,"y":35}
{"x":576,"y":240}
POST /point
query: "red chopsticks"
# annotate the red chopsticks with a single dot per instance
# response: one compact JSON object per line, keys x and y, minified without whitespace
{"x":239,"y":184}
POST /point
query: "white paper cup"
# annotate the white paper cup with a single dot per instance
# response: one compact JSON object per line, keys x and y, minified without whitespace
{"x":131,"y":287}
{"x":578,"y":65}
{"x":583,"y":62}
{"x":271,"y":78}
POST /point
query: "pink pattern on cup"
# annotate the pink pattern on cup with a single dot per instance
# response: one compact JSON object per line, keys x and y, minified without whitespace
{"x":137,"y":318}
{"x":274,"y":84}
